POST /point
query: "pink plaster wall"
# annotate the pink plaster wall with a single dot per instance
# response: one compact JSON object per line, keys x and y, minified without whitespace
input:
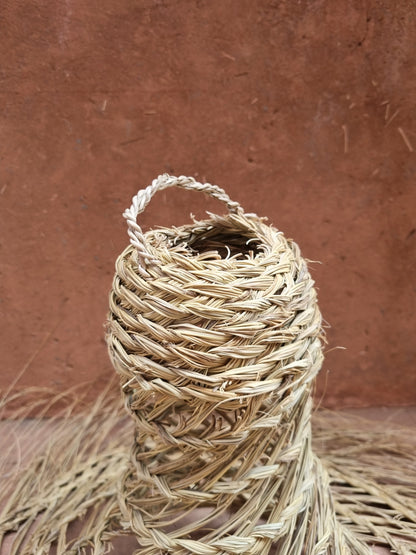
{"x":304,"y":111}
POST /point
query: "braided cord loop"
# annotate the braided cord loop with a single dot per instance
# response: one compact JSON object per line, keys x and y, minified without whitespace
{"x":143,"y":198}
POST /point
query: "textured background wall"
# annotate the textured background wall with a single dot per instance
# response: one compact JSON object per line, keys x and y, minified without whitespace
{"x":303,"y":111}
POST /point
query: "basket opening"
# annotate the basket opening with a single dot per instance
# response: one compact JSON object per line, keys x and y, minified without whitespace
{"x":226,"y":244}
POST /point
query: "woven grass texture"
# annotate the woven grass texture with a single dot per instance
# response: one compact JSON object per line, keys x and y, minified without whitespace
{"x":215,"y":333}
{"x":60,"y":479}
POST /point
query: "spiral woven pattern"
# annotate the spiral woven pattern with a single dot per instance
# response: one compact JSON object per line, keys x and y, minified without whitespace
{"x":215,"y":332}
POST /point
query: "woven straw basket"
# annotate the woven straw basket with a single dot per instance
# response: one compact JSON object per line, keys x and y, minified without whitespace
{"x":215,"y":332}
{"x":216,"y":336}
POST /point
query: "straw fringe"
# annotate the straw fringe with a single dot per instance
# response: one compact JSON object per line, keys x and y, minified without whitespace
{"x":81,"y":458}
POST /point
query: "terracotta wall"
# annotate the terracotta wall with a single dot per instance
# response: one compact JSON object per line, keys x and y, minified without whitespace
{"x":304,"y":111}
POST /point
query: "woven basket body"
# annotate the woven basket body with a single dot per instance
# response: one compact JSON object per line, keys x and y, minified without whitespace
{"x":215,"y":332}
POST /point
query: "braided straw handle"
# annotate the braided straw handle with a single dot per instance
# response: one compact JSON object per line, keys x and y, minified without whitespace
{"x":142,"y":199}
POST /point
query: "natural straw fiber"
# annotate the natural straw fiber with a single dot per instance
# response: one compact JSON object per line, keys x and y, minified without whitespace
{"x":215,"y":333}
{"x":59,"y":479}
